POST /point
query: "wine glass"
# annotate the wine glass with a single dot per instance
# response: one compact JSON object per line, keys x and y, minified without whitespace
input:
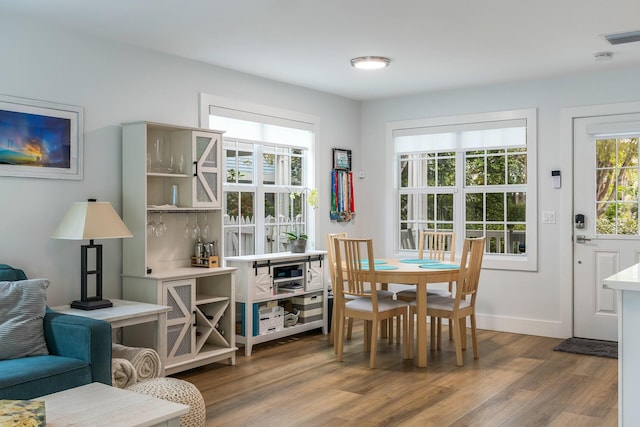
{"x":205,"y":229}
{"x":151,"y":226}
{"x":195,"y":232}
{"x":161,"y":227}
{"x":187,"y":228}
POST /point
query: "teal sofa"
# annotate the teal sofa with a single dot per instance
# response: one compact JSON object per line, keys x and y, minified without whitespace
{"x":79,"y":353}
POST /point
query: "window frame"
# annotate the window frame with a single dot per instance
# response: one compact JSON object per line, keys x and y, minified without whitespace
{"x":527,"y":262}
{"x":258,"y":113}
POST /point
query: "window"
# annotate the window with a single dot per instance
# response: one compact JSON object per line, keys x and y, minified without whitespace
{"x":267,"y":158}
{"x":617,"y":186}
{"x":474,"y":175}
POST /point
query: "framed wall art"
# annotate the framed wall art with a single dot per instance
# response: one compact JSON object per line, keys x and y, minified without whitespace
{"x":40,"y":139}
{"x":341,"y":159}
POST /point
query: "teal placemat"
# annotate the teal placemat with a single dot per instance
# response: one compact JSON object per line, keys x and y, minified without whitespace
{"x":375,"y":261}
{"x":440,"y":266}
{"x":419,"y":261}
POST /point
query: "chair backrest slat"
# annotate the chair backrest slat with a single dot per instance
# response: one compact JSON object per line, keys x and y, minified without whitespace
{"x":435,"y":245}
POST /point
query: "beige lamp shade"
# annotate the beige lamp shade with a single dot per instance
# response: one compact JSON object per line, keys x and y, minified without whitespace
{"x":91,"y":220}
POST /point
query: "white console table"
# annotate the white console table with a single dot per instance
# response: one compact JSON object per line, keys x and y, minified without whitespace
{"x":627,"y":282}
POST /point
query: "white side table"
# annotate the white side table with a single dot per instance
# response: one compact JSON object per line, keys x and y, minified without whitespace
{"x":127,"y":313}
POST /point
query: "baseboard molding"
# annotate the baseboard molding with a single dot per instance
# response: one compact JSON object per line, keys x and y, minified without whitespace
{"x":543,"y":328}
{"x":516,"y":325}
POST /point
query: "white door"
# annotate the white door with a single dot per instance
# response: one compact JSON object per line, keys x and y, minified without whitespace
{"x":605,"y":201}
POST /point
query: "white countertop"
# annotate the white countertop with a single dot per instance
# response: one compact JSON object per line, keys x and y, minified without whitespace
{"x":275,"y":256}
{"x":625,"y":280}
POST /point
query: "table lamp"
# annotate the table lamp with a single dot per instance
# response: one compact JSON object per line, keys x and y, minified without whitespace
{"x":91,"y":220}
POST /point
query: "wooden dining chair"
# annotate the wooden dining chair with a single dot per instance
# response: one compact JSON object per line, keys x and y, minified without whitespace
{"x":331,"y":258}
{"x":457,"y":308}
{"x":359,"y":298}
{"x":434,"y":245}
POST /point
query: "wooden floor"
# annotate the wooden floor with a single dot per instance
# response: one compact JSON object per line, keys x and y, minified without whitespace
{"x":518,"y":381}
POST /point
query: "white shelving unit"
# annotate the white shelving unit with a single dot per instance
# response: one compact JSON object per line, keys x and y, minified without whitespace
{"x":261,"y":280}
{"x":159,"y":160}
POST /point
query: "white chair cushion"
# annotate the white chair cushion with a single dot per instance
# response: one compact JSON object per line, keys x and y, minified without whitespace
{"x":365,"y":304}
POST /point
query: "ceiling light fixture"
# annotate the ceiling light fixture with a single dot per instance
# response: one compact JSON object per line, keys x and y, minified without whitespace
{"x":370,"y":62}
{"x":622,"y":38}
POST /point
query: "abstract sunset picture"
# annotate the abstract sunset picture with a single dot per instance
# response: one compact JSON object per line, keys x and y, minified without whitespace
{"x":34,"y":140}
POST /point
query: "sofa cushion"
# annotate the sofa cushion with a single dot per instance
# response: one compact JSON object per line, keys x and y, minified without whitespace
{"x":30,"y":377}
{"x":21,"y":318}
{"x":10,"y":274}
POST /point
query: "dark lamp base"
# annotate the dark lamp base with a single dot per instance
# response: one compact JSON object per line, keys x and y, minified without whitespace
{"x":91,"y":304}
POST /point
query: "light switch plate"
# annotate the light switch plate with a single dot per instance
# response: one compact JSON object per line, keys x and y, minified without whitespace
{"x":549,"y":217}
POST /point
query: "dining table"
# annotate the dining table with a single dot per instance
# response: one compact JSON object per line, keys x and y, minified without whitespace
{"x":420,"y":273}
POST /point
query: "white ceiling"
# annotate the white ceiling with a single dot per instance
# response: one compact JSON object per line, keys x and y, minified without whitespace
{"x":433,"y":44}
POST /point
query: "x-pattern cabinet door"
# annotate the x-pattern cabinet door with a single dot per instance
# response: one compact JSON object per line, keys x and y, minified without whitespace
{"x":207,"y":151}
{"x":315,"y":275}
{"x":179,"y":295}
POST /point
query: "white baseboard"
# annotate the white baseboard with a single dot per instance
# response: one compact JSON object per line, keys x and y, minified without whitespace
{"x":543,"y":328}
{"x":516,"y":325}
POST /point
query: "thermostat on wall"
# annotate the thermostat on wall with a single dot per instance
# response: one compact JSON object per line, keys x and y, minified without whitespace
{"x":555,"y":179}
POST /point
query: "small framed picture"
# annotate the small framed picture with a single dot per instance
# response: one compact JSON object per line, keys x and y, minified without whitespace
{"x":341,"y":159}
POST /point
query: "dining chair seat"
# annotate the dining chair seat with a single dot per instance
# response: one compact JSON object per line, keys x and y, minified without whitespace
{"x":443,"y":303}
{"x":366,"y":304}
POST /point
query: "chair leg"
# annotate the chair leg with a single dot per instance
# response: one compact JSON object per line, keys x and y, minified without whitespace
{"x":367,"y":335}
{"x":432,"y":324}
{"x":398,"y":335}
{"x":411,"y":328}
{"x":332,"y":329}
{"x":439,"y":333}
{"x":374,"y":342}
{"x":339,"y":346}
{"x":474,"y":337}
{"x":450,"y":331}
{"x":453,"y":323}
{"x":463,"y":332}
{"x":350,"y":328}
{"x":390,"y":331}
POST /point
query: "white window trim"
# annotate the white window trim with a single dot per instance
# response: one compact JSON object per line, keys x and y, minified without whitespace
{"x":529,"y":262}
{"x":275,"y":116}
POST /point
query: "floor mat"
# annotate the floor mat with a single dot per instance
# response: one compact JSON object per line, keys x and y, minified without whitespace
{"x":589,"y":347}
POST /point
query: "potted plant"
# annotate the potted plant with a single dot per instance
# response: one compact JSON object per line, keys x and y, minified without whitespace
{"x":297,"y":238}
{"x":297,"y":241}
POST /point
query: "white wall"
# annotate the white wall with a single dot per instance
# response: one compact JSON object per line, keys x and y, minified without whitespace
{"x":117,"y":84}
{"x":539,"y":302}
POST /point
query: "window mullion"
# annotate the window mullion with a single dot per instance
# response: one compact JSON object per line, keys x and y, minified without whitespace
{"x":459,"y":205}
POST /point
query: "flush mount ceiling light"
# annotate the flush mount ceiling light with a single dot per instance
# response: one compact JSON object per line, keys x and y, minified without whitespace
{"x":622,"y":38}
{"x":370,"y":62}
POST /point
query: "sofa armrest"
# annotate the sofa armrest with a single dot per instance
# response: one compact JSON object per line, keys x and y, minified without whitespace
{"x":80,"y":338}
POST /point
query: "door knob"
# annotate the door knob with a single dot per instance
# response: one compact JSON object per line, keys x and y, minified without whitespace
{"x":582,"y":239}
